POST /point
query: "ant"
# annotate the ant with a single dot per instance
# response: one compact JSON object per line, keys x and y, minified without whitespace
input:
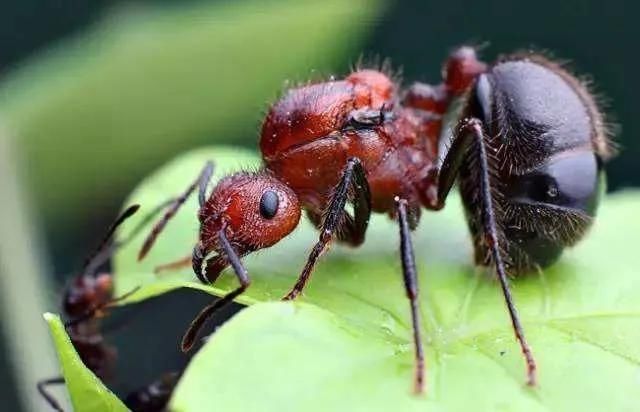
{"x":527,"y":151}
{"x":155,"y":396}
{"x":86,"y":300}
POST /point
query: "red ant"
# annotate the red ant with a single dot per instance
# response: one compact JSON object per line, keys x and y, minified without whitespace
{"x":86,"y":300}
{"x":527,"y":151}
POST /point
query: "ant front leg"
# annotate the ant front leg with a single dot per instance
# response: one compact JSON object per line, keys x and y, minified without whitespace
{"x":470,"y":141}
{"x":243,"y":277}
{"x":42,"y":389}
{"x":410,"y":277}
{"x":352,"y":186}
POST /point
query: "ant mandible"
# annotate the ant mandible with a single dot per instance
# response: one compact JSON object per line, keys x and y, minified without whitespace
{"x":85,"y":302}
{"x":527,"y":150}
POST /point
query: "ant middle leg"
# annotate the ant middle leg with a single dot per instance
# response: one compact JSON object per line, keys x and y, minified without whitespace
{"x":353,"y":186}
{"x":410,"y":278}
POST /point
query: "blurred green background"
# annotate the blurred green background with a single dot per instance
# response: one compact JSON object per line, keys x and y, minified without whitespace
{"x":94,"y":95}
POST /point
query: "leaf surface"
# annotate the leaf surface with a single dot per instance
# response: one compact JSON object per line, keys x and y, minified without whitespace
{"x":86,"y":391}
{"x":347,"y":343}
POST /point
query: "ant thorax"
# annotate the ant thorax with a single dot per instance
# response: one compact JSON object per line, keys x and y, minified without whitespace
{"x":86,"y":293}
{"x":309,"y":134}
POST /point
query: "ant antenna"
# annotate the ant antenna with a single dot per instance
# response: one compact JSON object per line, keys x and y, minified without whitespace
{"x":98,"y":253}
{"x":200,"y":183}
{"x":101,"y":257}
{"x":145,"y":221}
{"x":103,"y":252}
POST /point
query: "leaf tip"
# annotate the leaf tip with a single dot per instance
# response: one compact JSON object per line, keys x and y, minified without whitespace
{"x":49,"y":317}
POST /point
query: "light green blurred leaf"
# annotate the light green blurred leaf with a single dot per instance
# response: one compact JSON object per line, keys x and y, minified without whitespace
{"x":148,"y":82}
{"x":87,"y":392}
{"x":349,"y":347}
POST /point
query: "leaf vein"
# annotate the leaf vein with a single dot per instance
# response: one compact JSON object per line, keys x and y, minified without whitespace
{"x":581,"y":337}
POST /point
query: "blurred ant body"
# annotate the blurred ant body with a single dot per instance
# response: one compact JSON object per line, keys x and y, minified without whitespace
{"x":153,"y":397}
{"x":85,"y":302}
{"x":527,"y":150}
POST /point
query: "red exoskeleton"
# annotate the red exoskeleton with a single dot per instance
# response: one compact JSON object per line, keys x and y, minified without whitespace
{"x":527,"y":151}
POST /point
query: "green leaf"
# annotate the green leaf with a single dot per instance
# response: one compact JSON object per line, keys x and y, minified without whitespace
{"x":87,"y":392}
{"x":148,"y":82}
{"x":349,"y":347}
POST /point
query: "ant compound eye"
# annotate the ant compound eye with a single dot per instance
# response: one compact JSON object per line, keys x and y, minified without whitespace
{"x":269,"y":204}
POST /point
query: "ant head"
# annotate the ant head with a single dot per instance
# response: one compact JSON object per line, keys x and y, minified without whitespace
{"x":255,"y":210}
{"x":86,"y":293}
{"x":551,"y":148}
{"x":318,"y":110}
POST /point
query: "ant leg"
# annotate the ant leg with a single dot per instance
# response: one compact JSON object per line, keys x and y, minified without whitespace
{"x":460,"y":71}
{"x":42,"y":388}
{"x":353,"y":184}
{"x":432,"y":99}
{"x":349,"y":232}
{"x":204,"y":315}
{"x":450,"y":167}
{"x":471,"y":132}
{"x":410,"y":277}
{"x":202,"y":182}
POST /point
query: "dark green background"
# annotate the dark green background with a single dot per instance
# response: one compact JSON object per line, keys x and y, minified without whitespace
{"x":599,"y":38}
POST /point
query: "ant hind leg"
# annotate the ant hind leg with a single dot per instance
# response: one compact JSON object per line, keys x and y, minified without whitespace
{"x":469,"y":141}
